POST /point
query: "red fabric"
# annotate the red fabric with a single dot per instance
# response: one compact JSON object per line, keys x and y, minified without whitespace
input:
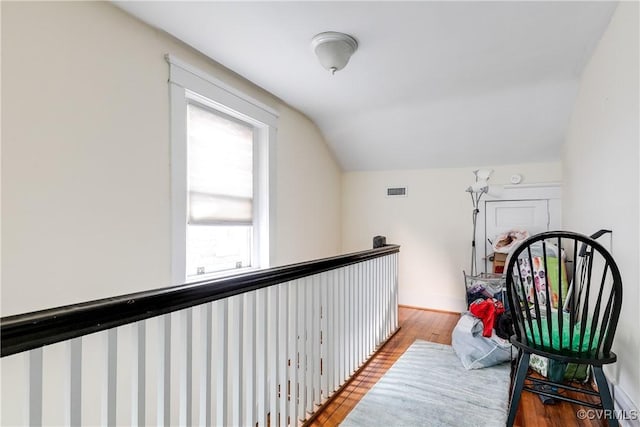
{"x":487,"y":311}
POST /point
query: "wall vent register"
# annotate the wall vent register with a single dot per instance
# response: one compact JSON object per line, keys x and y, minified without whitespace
{"x":397,"y":192}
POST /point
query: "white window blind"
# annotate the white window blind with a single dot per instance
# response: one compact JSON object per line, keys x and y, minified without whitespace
{"x":220,"y":168}
{"x":222,"y":176}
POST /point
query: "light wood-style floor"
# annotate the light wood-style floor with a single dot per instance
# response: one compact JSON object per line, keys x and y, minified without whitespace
{"x":437,"y":327}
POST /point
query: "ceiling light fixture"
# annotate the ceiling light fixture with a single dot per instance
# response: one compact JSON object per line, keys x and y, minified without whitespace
{"x":334,"y":49}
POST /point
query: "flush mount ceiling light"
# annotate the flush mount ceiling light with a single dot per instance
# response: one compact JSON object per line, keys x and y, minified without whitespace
{"x":334,"y":49}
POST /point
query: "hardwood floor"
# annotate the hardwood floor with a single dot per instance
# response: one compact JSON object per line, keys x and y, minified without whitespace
{"x":437,"y":327}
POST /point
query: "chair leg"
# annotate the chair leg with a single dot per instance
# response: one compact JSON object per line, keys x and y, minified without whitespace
{"x":605,"y":394}
{"x":521,"y":373}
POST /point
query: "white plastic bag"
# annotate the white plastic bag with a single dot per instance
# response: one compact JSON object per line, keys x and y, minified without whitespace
{"x":474,"y":350}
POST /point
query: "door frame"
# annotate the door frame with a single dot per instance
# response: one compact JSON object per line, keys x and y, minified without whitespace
{"x":550,"y":191}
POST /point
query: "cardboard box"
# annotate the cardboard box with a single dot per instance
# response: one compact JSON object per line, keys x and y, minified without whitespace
{"x":499,"y":262}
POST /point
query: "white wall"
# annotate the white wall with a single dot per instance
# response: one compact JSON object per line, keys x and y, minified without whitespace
{"x":600,"y":169}
{"x":432,"y":225}
{"x":309,"y":188}
{"x":85,"y":157}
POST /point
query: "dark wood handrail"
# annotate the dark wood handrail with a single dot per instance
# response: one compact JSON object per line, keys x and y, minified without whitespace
{"x":27,"y":331}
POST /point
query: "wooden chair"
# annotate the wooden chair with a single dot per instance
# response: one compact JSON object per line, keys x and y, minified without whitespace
{"x":565,"y":311}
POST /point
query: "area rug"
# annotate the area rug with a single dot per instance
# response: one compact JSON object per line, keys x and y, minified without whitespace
{"x":428,"y":386}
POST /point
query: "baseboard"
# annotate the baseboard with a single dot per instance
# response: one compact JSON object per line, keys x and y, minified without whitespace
{"x":428,"y":309}
{"x":623,"y":403}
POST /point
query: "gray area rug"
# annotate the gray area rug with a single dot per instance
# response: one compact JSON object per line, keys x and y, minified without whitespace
{"x":428,"y":386}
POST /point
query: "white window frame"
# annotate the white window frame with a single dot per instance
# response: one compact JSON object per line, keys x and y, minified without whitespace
{"x":187,"y":83}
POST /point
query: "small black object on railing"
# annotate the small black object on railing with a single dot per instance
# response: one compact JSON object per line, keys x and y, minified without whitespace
{"x":379,"y":242}
{"x":27,"y":331}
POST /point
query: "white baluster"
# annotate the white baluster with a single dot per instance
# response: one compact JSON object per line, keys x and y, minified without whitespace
{"x":185,"y":339}
{"x":393,"y":294}
{"x":315,"y":341}
{"x":387,"y":296}
{"x":301,"y":346}
{"x":357,"y":305}
{"x":164,"y":370}
{"x":206,"y":338}
{"x":381,"y":301}
{"x":138,"y":374}
{"x":352,"y":318}
{"x":365,"y":313}
{"x":367,"y":306}
{"x":359,"y":314}
{"x":390,"y":328}
{"x":234,"y":360}
{"x":293,"y":310}
{"x":283,"y":337}
{"x":392,"y":304}
{"x":370,"y":302}
{"x":249,"y":354}
{"x":35,"y":387}
{"x":372,"y":290}
{"x":381,"y":306}
{"x":347,"y":319}
{"x":109,"y":398}
{"x":365,"y":320}
{"x":395,"y":287}
{"x":73,"y":405}
{"x":359,"y":311}
{"x":376,"y":301}
{"x":330,"y":334}
{"x":273,"y":355}
{"x":308,"y":407}
{"x":385,"y":304}
{"x":343,"y":326}
{"x":324,"y":328}
{"x":262,"y":392}
{"x":336,"y":341}
{"x":220,"y":373}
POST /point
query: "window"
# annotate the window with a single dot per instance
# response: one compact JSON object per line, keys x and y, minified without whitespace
{"x":219,"y":192}
{"x":221,"y":145}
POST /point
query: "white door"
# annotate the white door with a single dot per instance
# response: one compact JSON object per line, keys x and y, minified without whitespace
{"x":502,"y":216}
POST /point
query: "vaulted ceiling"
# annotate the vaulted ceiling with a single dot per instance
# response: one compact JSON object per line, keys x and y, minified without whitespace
{"x":433,"y":84}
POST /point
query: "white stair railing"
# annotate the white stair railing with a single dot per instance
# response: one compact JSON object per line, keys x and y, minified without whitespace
{"x":267,"y":356}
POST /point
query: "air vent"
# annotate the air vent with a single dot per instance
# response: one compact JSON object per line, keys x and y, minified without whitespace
{"x":397,"y":192}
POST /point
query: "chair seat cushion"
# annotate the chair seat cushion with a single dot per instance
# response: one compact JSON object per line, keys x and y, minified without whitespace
{"x":561,"y":340}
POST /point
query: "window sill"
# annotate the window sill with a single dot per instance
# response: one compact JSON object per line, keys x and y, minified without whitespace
{"x":220,"y":274}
